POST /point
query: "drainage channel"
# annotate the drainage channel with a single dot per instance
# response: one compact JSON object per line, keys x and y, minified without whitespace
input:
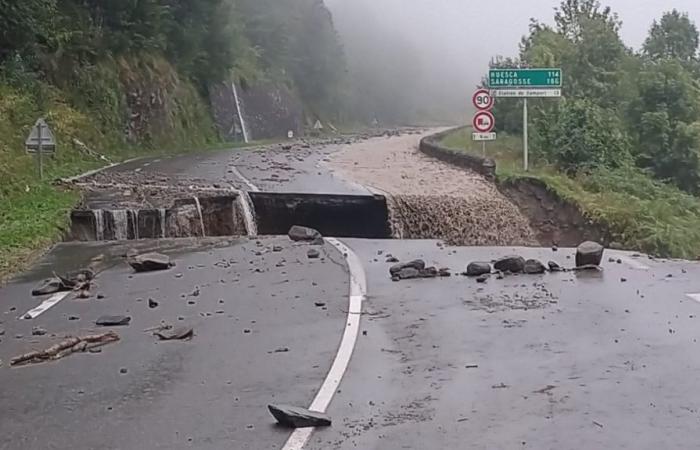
{"x":238,"y":214}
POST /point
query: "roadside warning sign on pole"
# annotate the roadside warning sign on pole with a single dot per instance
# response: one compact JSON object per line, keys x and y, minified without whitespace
{"x":482,"y":99}
{"x":483,"y":122}
{"x":40,"y":141}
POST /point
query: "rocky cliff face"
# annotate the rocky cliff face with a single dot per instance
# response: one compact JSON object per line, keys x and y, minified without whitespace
{"x":267,"y":111}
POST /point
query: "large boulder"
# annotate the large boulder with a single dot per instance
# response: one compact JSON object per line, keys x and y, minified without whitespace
{"x":150,"y":262}
{"x":296,"y":417}
{"x":476,"y":269}
{"x":589,"y":254}
{"x":305,"y":234}
{"x":534,"y":267}
{"x":417,"y":264}
{"x":514,"y":264}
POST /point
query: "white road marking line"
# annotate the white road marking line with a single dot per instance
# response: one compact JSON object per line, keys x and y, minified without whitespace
{"x":358,"y":292}
{"x":45,"y":305}
{"x":634,"y":263}
{"x":245,"y":181}
{"x":695,"y":297}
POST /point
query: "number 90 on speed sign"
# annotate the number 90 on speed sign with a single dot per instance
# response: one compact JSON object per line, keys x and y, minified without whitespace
{"x":482,"y":99}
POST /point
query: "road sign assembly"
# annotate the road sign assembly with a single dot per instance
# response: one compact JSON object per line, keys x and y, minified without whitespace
{"x":39,"y":142}
{"x":525,"y":83}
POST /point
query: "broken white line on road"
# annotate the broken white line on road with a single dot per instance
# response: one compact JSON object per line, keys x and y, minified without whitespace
{"x":695,"y":297}
{"x":45,"y":305}
{"x":358,"y":292}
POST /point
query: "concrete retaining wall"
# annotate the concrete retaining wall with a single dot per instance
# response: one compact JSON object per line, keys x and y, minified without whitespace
{"x":431,"y":146}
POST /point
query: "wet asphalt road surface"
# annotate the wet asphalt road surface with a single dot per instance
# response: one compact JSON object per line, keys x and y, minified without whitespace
{"x":271,"y":168}
{"x":557,"y":361}
{"x":207,"y":393}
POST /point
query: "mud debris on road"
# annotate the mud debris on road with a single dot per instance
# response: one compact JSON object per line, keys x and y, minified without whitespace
{"x":429,"y":199}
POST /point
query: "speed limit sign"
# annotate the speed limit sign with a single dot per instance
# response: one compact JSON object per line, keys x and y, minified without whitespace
{"x":482,"y":99}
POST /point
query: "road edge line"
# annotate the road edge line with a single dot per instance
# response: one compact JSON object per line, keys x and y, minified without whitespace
{"x":358,"y":292}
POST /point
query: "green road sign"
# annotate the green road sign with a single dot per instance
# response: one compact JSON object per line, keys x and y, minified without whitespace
{"x":524,"y":78}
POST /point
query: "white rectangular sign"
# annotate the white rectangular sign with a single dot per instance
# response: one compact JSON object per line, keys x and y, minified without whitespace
{"x":527,"y":93}
{"x":483,"y":136}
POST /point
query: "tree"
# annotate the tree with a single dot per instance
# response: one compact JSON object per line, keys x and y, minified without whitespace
{"x":572,"y":17}
{"x":674,"y":36}
{"x":583,"y":136}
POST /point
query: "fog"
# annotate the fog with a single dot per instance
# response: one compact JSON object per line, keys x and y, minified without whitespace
{"x":439,"y":49}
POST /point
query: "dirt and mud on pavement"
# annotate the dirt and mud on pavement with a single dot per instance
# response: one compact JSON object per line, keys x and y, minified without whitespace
{"x":429,"y":199}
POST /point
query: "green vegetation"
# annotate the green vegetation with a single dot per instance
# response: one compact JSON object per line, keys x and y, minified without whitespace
{"x":640,"y":212}
{"x":624,"y":141}
{"x":124,"y":79}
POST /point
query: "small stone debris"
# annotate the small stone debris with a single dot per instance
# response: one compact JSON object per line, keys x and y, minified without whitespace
{"x":500,"y":386}
{"x":296,"y":417}
{"x":49,"y":286}
{"x":305,"y":234}
{"x":73,"y":318}
{"x":152,"y":303}
{"x":276,"y":249}
{"x":476,"y":269}
{"x":320,"y":304}
{"x":123,"y":370}
{"x":279,"y":350}
{"x":471,"y":366}
{"x":417,"y":264}
{"x":513,"y":264}
{"x":555,"y":248}
{"x":150,"y":262}
{"x":100,"y":296}
{"x":444,"y":272}
{"x":534,"y":267}
{"x":176,"y":333}
{"x":589,"y":253}
{"x":554,"y":267}
{"x":619,"y":261}
{"x":313,"y":254}
{"x":483,"y":278}
{"x":113,"y":321}
{"x":623,"y":280}
{"x":38,"y":331}
{"x":195,"y":292}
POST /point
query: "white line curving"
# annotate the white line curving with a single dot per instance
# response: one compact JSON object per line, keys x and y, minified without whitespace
{"x":245,"y":181}
{"x":358,"y":291}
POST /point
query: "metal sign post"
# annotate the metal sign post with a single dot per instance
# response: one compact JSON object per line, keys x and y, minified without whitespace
{"x":40,"y":141}
{"x":525,"y":83}
{"x":526,"y":150}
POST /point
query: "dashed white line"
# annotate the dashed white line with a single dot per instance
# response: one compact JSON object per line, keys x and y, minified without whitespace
{"x":45,"y":305}
{"x":695,"y":297}
{"x":358,"y":291}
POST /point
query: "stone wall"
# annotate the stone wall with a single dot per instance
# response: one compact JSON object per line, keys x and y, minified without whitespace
{"x":432,"y":146}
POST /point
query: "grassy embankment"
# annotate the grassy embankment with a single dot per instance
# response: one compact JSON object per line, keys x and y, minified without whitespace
{"x":642,"y":213}
{"x":34,"y":214}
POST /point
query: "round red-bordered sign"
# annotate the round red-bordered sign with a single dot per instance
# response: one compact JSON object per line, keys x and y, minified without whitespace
{"x":482,"y":100}
{"x":483,"y":122}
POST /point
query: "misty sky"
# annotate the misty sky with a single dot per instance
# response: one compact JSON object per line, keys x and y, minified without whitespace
{"x":465,"y":34}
